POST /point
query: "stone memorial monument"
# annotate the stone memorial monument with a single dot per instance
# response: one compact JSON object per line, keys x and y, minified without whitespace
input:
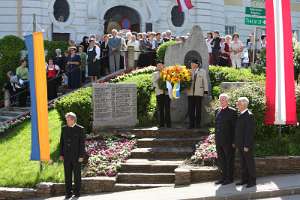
{"x":114,"y":105}
{"x":183,"y":54}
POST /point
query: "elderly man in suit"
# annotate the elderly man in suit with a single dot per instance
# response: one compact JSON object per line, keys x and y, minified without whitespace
{"x":72,"y":151}
{"x":225,"y":126}
{"x":195,"y":93}
{"x":114,"y":44}
{"x":163,"y":99}
{"x":244,"y":142}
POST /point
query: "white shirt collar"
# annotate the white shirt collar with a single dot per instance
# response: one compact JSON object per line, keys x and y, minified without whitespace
{"x":73,"y":125}
{"x":244,"y":111}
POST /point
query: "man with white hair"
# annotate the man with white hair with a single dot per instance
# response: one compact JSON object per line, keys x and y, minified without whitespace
{"x":114,"y":44}
{"x":72,"y":152}
{"x":224,"y":128}
{"x":244,"y":142}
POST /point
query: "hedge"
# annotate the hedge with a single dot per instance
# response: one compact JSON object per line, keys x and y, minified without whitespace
{"x":10,"y":48}
{"x":228,"y":74}
{"x":79,"y":102}
{"x":50,"y":46}
{"x":161,"y":51}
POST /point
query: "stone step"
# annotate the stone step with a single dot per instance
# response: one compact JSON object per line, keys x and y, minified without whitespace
{"x":162,"y":133}
{"x":150,"y":166}
{"x":146,"y":178}
{"x":163,"y":153}
{"x":125,"y":187}
{"x":167,"y":142}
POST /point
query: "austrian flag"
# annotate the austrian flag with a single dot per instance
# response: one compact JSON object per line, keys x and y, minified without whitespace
{"x":184,"y":5}
{"x":280,"y":85}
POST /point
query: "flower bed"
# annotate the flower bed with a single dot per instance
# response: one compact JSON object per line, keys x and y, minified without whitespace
{"x":106,"y":155}
{"x":206,"y":153}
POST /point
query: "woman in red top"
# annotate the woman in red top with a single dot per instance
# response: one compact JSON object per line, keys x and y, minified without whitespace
{"x":52,"y":83}
{"x":225,"y":59}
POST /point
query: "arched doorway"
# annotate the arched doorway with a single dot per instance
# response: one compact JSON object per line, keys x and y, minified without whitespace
{"x":122,"y":17}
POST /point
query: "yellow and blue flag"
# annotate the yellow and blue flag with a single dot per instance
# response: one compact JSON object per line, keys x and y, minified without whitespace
{"x":176,"y":91}
{"x":40,"y":147}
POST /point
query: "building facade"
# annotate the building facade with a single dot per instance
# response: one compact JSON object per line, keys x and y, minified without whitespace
{"x":73,"y":19}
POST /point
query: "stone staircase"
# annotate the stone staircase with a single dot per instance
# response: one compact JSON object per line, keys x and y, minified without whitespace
{"x":158,"y":154}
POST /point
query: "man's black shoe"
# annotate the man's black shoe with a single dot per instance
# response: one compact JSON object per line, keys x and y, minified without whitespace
{"x":227,"y":182}
{"x":241,"y":183}
{"x":250,"y":185}
{"x":219,"y":182}
{"x":68,"y":196}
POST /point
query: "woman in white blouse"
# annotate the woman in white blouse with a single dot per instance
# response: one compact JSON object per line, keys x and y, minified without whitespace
{"x":236,"y":48}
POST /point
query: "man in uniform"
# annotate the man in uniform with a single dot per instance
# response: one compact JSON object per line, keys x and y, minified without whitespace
{"x":163,"y":99}
{"x":195,"y":93}
{"x":225,"y":126}
{"x":244,"y":142}
{"x":72,"y":152}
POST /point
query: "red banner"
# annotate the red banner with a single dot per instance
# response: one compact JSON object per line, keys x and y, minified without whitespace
{"x":280,"y":85}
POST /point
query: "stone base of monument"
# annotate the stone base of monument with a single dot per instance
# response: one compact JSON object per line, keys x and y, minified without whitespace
{"x":179,"y":112}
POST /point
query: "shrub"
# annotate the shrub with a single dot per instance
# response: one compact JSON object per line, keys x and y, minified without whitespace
{"x":79,"y":102}
{"x":161,"y":51}
{"x":297,"y":59}
{"x":50,"y":46}
{"x":256,"y":95}
{"x":10,"y":48}
{"x":227,"y":74}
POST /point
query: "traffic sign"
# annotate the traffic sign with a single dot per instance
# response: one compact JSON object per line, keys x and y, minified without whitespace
{"x":255,"y":21}
{"x":255,"y":11}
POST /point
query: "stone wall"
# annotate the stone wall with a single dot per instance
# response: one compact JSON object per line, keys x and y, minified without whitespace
{"x":43,"y":190}
{"x":267,"y":166}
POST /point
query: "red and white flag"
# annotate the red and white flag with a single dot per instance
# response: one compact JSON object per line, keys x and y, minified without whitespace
{"x":184,"y":5}
{"x":280,"y":85}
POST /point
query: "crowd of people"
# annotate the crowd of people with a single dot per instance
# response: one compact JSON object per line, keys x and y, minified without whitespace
{"x":230,"y":50}
{"x":97,"y":56}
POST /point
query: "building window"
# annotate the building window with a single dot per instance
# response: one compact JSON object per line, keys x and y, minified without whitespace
{"x":61,"y":10}
{"x":177,"y":17}
{"x":229,"y":30}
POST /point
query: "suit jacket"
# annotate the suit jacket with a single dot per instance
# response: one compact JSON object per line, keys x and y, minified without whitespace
{"x":199,"y":84}
{"x":225,"y":126}
{"x":104,"y":50}
{"x":115,"y":42}
{"x":216,"y":44}
{"x":245,"y":130}
{"x":72,"y":145}
{"x":155,"y":79}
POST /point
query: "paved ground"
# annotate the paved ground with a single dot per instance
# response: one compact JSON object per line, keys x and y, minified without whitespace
{"x":296,"y":197}
{"x":269,"y":185}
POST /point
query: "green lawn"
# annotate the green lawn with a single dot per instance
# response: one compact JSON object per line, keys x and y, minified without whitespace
{"x":16,"y":169}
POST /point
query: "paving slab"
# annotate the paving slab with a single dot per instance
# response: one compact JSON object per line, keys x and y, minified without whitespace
{"x":267,"y":187}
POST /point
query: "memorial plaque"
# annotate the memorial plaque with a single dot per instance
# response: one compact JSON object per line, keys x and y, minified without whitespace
{"x":115,"y":105}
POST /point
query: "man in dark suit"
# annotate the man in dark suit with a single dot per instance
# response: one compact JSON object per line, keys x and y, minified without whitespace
{"x":216,"y":47}
{"x":72,"y":152}
{"x":225,"y":124}
{"x":244,"y":142}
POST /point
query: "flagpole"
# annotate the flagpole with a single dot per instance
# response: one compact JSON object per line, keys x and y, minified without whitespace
{"x":34,"y":30}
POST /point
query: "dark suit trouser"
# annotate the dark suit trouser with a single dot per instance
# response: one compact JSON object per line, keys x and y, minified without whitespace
{"x":163,"y":102}
{"x":194,"y":109}
{"x":226,"y":158}
{"x":72,"y":167}
{"x":215,"y":57}
{"x":248,"y":170}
